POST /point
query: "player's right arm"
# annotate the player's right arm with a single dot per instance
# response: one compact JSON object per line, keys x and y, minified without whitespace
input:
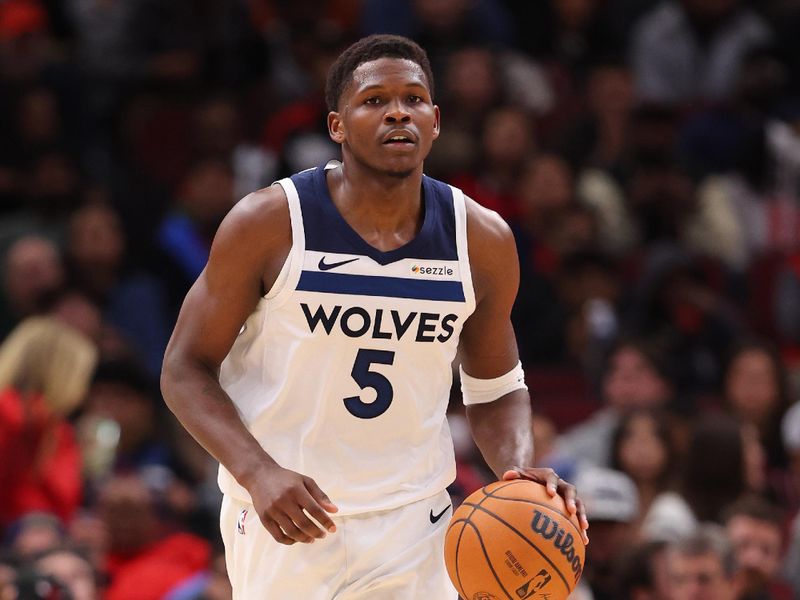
{"x":246,"y":256}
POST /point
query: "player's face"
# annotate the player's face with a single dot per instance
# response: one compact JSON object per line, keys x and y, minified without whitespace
{"x":386,"y":120}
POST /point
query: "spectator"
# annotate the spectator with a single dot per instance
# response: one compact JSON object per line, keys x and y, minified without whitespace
{"x":144,"y":561}
{"x":635,"y":377}
{"x":121,"y":393}
{"x":755,"y":529}
{"x":133,"y":302}
{"x":442,"y":26}
{"x":612,"y":506}
{"x":45,"y":368}
{"x":715,"y":474}
{"x":679,"y":303}
{"x":601,"y":140}
{"x":34,"y":533}
{"x":642,"y":572}
{"x":506,"y":143}
{"x":8,"y":574}
{"x":701,"y":567}
{"x":643,"y":448}
{"x":790,"y":434}
{"x":756,"y":391}
{"x":32,"y":271}
{"x":791,"y":564}
{"x":690,"y":50}
{"x":185,"y":234}
{"x":71,"y":569}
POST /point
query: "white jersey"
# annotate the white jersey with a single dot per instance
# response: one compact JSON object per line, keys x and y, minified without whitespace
{"x":343,"y":371}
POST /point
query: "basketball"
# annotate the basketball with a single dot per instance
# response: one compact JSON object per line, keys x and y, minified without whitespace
{"x":511,"y":540}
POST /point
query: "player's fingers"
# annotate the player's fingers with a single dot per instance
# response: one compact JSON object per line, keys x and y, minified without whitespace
{"x":320,"y":496}
{"x":305,"y":524}
{"x":544,"y":475}
{"x":570,"y":495}
{"x":510,"y":475}
{"x":583,"y":519}
{"x":315,"y":510}
{"x":276,"y":532}
{"x":294,"y":532}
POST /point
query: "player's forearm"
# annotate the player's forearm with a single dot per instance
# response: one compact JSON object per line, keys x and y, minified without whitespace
{"x":192,"y":392}
{"x":502,"y":430}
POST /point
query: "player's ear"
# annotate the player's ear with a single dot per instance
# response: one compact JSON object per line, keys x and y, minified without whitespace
{"x":436,"y":121}
{"x":335,"y":127}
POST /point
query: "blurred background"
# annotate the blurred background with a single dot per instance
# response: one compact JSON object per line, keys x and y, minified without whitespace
{"x":646,"y":154}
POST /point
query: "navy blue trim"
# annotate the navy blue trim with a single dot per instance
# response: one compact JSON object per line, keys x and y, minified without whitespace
{"x":327,"y":231}
{"x":390,"y":287}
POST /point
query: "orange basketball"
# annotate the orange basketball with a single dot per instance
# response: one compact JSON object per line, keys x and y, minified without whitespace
{"x":511,"y":540}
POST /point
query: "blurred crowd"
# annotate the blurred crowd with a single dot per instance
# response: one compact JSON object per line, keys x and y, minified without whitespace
{"x":646,"y":154}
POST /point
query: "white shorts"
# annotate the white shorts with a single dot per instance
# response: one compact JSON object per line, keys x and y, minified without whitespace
{"x":388,"y":555}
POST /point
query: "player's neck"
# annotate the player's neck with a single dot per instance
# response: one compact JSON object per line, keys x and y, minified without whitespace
{"x":385,"y":210}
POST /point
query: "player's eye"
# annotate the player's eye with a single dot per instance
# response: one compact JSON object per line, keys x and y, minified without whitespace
{"x":372,"y":100}
{"x":415,"y":99}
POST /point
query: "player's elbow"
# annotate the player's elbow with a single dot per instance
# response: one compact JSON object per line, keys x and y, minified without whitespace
{"x":174,"y":370}
{"x":182,"y":375}
{"x":167,"y":381}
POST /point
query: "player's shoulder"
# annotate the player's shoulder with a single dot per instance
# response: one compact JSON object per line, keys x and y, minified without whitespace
{"x":486,"y":228}
{"x":262,"y":205}
{"x":259,"y":220}
{"x":492,"y":251}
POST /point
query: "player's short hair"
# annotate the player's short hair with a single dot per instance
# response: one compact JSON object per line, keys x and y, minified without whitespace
{"x":370,"y":48}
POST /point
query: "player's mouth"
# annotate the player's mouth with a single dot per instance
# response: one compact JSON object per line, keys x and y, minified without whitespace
{"x":399,"y":139}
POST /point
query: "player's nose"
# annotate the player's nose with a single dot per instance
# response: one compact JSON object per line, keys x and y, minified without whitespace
{"x":396,"y":113}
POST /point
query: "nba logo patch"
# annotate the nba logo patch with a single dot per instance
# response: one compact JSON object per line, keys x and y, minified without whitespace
{"x":241,"y":520}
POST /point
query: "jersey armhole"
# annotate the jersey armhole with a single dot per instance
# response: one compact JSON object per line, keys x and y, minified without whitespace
{"x":287,"y":279}
{"x":462,"y":246}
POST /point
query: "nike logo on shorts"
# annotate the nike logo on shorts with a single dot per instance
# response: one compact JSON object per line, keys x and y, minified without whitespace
{"x":323,"y":266}
{"x":435,"y":518}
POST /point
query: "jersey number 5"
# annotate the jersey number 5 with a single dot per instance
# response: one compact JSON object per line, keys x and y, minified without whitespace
{"x":371,"y":379}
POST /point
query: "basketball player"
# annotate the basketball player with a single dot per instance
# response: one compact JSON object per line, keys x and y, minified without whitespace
{"x":312,"y":355}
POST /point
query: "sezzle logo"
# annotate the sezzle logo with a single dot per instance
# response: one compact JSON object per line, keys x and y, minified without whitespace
{"x":442,"y":270}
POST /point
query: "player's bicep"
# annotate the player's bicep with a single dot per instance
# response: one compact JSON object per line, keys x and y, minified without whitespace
{"x":488,"y":347}
{"x":230,"y":286}
{"x":210,"y":319}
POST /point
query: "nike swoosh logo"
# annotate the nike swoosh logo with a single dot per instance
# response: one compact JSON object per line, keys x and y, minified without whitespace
{"x":323,"y":266}
{"x":435,"y":518}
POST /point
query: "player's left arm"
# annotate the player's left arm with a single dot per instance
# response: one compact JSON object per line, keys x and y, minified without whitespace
{"x":501,"y":427}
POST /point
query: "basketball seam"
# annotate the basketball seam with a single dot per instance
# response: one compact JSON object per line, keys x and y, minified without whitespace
{"x":466,"y":520}
{"x":531,"y":544}
{"x":458,"y":544}
{"x":547,"y":506}
{"x":488,"y":560}
{"x":502,"y":487}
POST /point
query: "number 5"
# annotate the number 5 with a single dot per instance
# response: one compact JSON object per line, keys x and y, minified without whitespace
{"x":371,"y":379}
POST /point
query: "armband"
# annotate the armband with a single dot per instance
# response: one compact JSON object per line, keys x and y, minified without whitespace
{"x":481,"y":391}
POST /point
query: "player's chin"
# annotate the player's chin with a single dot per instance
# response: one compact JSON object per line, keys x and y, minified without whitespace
{"x":401,"y":167}
{"x":400,"y":173}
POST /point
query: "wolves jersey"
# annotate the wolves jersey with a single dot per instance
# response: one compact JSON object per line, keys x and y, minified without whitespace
{"x":343,"y":371}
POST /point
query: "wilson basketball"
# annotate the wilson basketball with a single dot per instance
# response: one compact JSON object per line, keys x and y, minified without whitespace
{"x":511,"y":540}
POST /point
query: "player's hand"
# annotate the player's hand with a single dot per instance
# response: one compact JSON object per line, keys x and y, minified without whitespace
{"x":554,"y":485}
{"x":284,"y":500}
